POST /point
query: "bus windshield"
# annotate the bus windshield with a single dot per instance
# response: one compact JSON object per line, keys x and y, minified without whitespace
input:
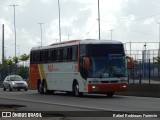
{"x":107,"y":67}
{"x":106,"y":61}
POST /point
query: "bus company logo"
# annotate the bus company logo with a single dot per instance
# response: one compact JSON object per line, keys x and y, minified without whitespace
{"x":50,"y":68}
{"x":6,"y":114}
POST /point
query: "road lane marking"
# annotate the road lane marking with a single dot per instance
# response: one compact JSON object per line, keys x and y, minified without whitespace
{"x":60,"y":104}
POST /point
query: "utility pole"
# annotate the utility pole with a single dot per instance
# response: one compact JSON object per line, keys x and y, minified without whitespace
{"x":99,"y":21}
{"x":14,"y":25}
{"x":111,"y":33}
{"x":41,"y":31}
{"x":15,"y":32}
{"x":68,"y":36}
{"x":159,"y":40}
{"x":3,"y":44}
{"x":2,"y":52}
{"x":159,"y":48}
{"x":59,"y":21}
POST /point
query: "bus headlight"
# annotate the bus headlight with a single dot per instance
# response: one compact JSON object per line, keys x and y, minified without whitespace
{"x":123,"y":86}
{"x":93,"y":87}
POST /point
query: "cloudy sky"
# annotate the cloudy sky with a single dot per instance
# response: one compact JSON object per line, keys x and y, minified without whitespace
{"x":130,"y":20}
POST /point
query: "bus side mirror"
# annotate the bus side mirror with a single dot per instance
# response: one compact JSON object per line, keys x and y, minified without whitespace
{"x":130,"y":62}
{"x":87,"y":63}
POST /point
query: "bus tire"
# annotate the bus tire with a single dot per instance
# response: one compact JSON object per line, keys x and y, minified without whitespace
{"x":110,"y":94}
{"x":76,"y":89}
{"x":39,"y":86}
{"x":44,"y":87}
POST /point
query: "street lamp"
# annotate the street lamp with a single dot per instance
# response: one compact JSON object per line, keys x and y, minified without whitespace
{"x":14,"y":25}
{"x":59,"y":21}
{"x":159,"y":40}
{"x":99,"y":21}
{"x":111,"y":33}
{"x":41,"y":31}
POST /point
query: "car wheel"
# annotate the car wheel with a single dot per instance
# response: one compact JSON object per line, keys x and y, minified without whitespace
{"x":18,"y":89}
{"x":26,"y":89}
{"x":10,"y":89}
{"x":4,"y":89}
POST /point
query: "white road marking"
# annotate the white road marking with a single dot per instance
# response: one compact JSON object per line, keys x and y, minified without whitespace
{"x":60,"y":104}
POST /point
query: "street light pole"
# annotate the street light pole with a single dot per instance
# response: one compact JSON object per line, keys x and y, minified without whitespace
{"x":41,"y":31}
{"x":99,"y":21}
{"x":59,"y":21}
{"x":14,"y":25}
{"x":159,"y":40}
{"x":111,"y":33}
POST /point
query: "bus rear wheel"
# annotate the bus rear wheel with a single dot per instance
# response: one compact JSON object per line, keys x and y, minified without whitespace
{"x":44,"y":88}
{"x":110,"y":94}
{"x":39,"y":86}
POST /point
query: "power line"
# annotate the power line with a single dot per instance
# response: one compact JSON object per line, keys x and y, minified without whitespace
{"x":138,"y":19}
{"x":90,"y":29}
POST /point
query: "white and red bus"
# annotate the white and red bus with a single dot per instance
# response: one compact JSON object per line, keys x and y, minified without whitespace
{"x":79,"y":66}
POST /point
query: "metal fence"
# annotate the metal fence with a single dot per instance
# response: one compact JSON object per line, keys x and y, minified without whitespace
{"x":10,"y":70}
{"x":147,"y":67}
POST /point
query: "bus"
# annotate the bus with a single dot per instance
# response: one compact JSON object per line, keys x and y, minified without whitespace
{"x":79,"y":66}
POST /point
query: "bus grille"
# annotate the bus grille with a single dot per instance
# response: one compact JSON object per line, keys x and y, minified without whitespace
{"x":110,"y":81}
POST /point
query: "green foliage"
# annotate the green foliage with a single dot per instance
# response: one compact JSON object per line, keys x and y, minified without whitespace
{"x":15,"y":60}
{"x":24,"y":57}
{"x":8,"y":62}
{"x":23,"y":71}
{"x":10,"y":65}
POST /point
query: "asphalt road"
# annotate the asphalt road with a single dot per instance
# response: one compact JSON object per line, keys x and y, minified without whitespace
{"x":62,"y":105}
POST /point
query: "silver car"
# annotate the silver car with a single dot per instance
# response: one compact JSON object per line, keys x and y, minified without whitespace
{"x":14,"y":82}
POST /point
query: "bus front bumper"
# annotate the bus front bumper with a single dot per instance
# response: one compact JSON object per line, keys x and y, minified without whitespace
{"x":104,"y":88}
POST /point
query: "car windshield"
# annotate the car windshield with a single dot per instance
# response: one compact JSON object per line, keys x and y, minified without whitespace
{"x":16,"y":78}
{"x":107,"y":67}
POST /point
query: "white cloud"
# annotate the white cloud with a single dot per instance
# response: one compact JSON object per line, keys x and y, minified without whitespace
{"x":79,"y":20}
{"x":149,"y":21}
{"x":7,"y":29}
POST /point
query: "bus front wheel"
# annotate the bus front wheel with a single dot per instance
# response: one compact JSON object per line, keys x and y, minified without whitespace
{"x":76,"y":90}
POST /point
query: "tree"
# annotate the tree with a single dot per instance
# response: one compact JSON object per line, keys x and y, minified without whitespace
{"x":15,"y":60}
{"x":24,"y":58}
{"x":8,"y":62}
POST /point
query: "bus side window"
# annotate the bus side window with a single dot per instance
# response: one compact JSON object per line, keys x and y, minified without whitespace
{"x":41,"y":56}
{"x":69,"y":53}
{"x":31,"y":57}
{"x":37,"y":57}
{"x":49,"y":56}
{"x":52,"y":55}
{"x":61,"y":54}
{"x":75,"y":53}
{"x":65,"y":54}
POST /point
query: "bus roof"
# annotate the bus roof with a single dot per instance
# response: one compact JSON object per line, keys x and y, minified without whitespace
{"x":75,"y":42}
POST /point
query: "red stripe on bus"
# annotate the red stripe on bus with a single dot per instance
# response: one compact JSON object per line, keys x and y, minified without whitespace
{"x":34,"y":76}
{"x":103,"y":88}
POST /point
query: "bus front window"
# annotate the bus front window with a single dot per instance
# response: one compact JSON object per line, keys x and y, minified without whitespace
{"x":104,"y":67}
